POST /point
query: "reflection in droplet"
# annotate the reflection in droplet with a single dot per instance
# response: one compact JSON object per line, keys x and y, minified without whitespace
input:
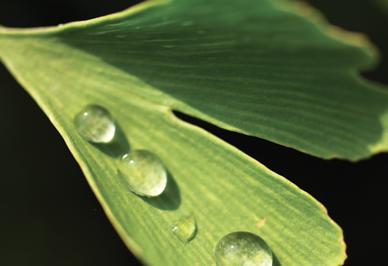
{"x":185,"y":228}
{"x":144,"y":173}
{"x":243,"y":249}
{"x":95,"y":124}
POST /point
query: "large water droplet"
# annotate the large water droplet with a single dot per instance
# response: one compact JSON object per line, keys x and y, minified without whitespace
{"x":144,"y":173}
{"x":95,"y":124}
{"x":243,"y":249}
{"x":185,"y":228}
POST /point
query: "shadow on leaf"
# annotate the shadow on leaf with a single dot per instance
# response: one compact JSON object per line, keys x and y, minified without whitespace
{"x":119,"y":145}
{"x":170,"y":199}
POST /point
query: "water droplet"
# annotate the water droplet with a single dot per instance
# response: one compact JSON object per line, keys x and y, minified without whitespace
{"x":95,"y":124}
{"x":185,"y":229}
{"x":144,"y":173}
{"x":243,"y":249}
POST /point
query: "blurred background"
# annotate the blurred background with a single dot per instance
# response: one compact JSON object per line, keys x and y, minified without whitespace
{"x":49,"y":216}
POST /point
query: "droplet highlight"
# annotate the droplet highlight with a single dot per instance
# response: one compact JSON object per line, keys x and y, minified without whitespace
{"x":144,"y":172}
{"x":95,"y":124}
{"x":185,"y":228}
{"x":243,"y":249}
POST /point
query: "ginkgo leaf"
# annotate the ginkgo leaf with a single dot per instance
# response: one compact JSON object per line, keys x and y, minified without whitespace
{"x":255,"y":67}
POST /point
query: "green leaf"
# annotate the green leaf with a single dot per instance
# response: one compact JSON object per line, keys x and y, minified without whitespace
{"x":269,"y":72}
{"x":255,"y":67}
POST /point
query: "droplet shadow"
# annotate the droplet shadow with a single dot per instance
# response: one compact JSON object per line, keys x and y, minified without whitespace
{"x":117,"y":147}
{"x":170,"y":199}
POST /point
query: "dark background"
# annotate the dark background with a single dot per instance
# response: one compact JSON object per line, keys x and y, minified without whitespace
{"x":49,"y":216}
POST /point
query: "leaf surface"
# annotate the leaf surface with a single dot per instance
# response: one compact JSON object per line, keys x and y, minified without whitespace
{"x":255,"y":67}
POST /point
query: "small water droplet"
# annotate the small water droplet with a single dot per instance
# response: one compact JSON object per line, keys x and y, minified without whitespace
{"x":243,"y":249}
{"x":144,"y":173}
{"x":185,"y":229}
{"x":95,"y":124}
